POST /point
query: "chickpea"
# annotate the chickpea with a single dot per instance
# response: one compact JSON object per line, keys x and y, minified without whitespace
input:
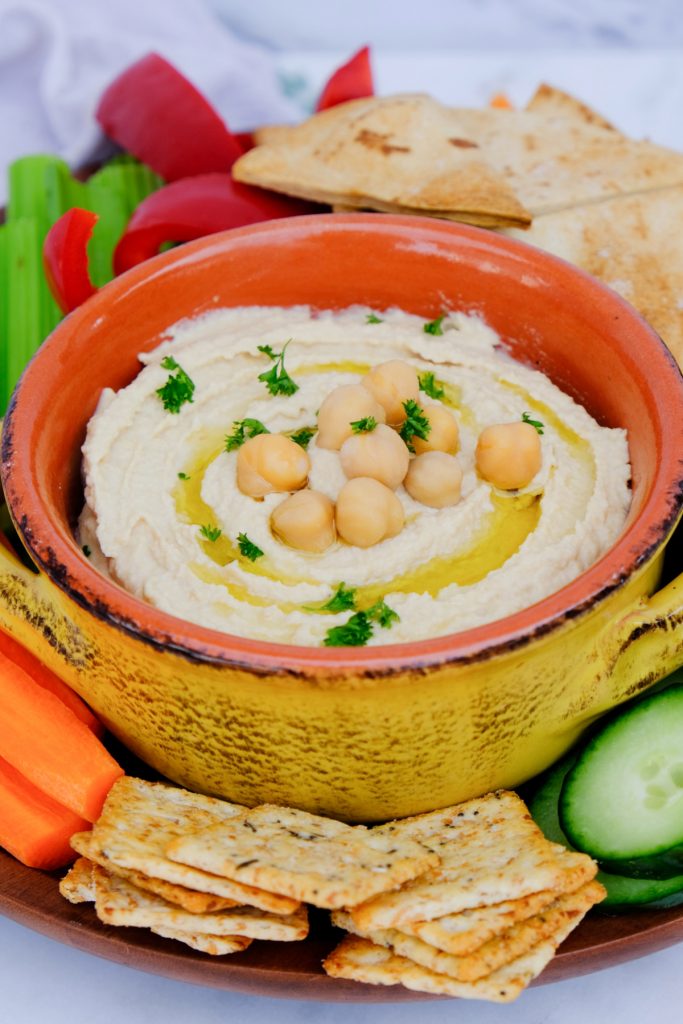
{"x":305,"y":521}
{"x":380,"y":454}
{"x":508,"y":455}
{"x":367,"y":512}
{"x":271,"y":462}
{"x":392,"y":384}
{"x":341,"y":407}
{"x":434,"y":479}
{"x":444,"y":435}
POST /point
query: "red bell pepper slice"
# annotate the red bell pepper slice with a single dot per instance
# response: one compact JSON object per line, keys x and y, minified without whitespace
{"x":195,"y":207}
{"x":352,"y":81}
{"x":65,"y":258}
{"x":156,"y":114}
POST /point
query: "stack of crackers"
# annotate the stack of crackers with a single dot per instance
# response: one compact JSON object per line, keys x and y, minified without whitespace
{"x":555,"y":174}
{"x":470,"y":901}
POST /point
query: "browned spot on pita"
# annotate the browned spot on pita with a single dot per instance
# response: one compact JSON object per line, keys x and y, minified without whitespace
{"x":375,"y":140}
{"x":464,"y":143}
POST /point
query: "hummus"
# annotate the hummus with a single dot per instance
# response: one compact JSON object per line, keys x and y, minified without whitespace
{"x":154,"y":478}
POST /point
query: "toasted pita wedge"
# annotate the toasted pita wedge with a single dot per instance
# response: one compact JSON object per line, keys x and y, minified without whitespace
{"x":140,"y":819}
{"x":306,"y":856}
{"x":630,"y":243}
{"x":500,"y":949}
{"x":491,"y":850}
{"x":78,"y":884}
{"x":412,"y":153}
{"x":553,"y":102}
{"x":118,"y":902}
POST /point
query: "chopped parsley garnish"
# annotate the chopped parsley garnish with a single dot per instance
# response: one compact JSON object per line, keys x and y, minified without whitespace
{"x":372,"y":319}
{"x":382,"y":613}
{"x":429,"y":386}
{"x":358,"y":629}
{"x":209,"y":532}
{"x":277,"y":380}
{"x":343,"y":599}
{"x":526,"y":418}
{"x":434,"y":326}
{"x":354,"y":633}
{"x":183,"y":476}
{"x":364,"y":426}
{"x":178,"y":389}
{"x":303,"y":437}
{"x":242,"y":430}
{"x":87,"y":552}
{"x":248,"y":548}
{"x":416,"y":424}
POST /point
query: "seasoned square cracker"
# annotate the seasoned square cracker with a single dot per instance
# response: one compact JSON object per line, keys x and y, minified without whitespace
{"x":305,"y":856}
{"x":490,"y":849}
{"x":118,"y":902}
{"x":214,"y":945}
{"x":140,"y":819}
{"x":78,"y":884}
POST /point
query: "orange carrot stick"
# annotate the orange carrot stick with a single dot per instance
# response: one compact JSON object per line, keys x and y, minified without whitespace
{"x":33,"y":827}
{"x":50,"y":746}
{"x":501,"y":101}
{"x":42,"y":675}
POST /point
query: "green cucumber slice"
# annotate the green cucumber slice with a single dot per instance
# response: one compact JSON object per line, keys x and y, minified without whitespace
{"x":622,"y":801}
{"x":623,"y":894}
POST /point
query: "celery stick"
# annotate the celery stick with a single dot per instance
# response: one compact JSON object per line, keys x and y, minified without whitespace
{"x":24,"y":272}
{"x":62,"y":191}
{"x":4,"y":316}
{"x":27,"y":196}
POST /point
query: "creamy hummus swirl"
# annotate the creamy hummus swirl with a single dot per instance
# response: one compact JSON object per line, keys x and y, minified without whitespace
{"x":154,"y":478}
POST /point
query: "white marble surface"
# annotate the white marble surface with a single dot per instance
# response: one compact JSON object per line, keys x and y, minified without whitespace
{"x":41,"y":980}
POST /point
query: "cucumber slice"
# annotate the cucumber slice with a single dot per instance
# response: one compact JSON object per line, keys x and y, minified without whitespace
{"x":622,"y":802}
{"x":623,"y":894}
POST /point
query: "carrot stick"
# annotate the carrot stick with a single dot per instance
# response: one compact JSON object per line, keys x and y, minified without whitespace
{"x":42,"y":675}
{"x":34,"y":828}
{"x":501,"y":101}
{"x":50,"y":746}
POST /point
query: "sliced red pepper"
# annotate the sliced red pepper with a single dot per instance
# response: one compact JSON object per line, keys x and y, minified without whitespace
{"x":352,"y":81}
{"x":195,"y":207}
{"x":159,"y":116}
{"x":65,"y":258}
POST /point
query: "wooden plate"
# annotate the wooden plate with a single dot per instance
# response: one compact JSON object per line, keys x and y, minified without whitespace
{"x":292,"y":969}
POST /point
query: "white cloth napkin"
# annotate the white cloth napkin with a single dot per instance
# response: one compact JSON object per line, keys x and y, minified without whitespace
{"x":56,"y":57}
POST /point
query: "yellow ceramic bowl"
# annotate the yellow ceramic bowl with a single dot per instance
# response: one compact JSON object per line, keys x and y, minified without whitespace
{"x":362,"y":734}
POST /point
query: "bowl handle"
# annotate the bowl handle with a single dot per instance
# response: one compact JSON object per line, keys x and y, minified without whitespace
{"x":646,"y":643}
{"x":33,"y":611}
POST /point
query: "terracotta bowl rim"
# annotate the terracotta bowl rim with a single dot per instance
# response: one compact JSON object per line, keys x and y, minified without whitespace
{"x":63,"y":562}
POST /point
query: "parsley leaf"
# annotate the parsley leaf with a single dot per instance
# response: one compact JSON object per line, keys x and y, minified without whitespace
{"x":382,"y":613}
{"x":242,"y":430}
{"x":178,"y":389}
{"x":303,"y":437}
{"x":248,"y":548}
{"x":372,"y":319}
{"x":429,"y":386}
{"x":277,"y":380}
{"x":364,"y":426}
{"x":434,"y":326}
{"x":526,"y":418}
{"x":209,"y":532}
{"x":183,"y":476}
{"x":87,"y":552}
{"x":416,"y":424}
{"x":354,"y":633}
{"x":342,"y":600}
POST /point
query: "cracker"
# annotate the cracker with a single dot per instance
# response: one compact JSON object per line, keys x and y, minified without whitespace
{"x":78,"y":884}
{"x":499,"y":950}
{"x":188,"y":899}
{"x":361,"y":960}
{"x":463,"y":932}
{"x":118,"y":902}
{"x":214,"y":945}
{"x":305,"y":856}
{"x":491,"y":850}
{"x":140,"y":818}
